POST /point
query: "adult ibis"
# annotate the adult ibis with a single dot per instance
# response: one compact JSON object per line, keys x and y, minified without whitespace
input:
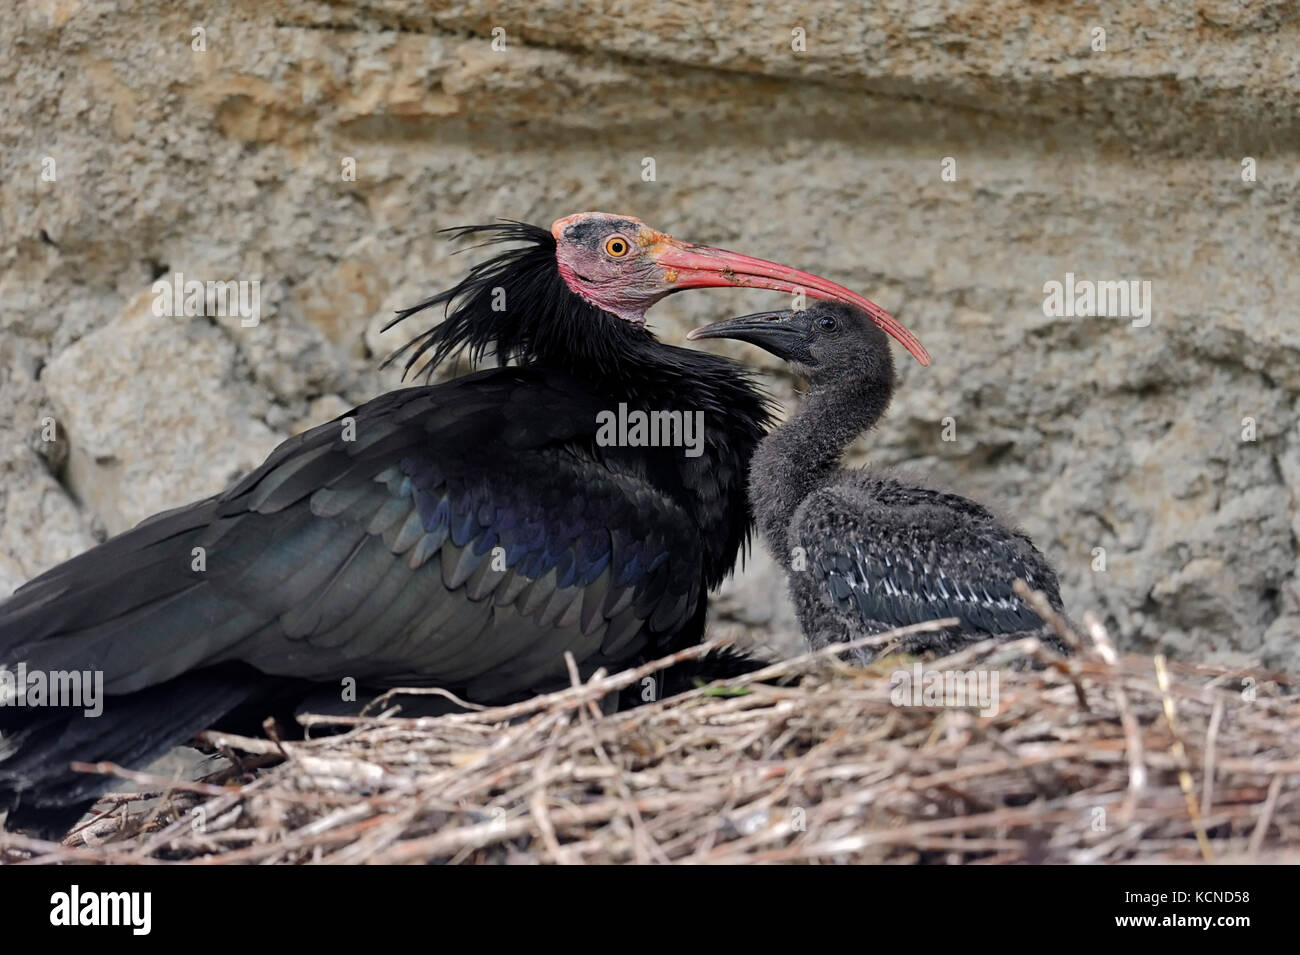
{"x":866,"y":552}
{"x":465,"y":534}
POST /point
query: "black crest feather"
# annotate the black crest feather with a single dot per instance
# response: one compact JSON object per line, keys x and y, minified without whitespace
{"x":516,"y":305}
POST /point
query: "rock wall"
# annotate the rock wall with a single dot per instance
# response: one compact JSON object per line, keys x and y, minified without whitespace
{"x":946,"y":159}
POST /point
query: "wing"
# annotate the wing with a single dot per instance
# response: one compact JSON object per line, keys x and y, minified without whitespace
{"x":908,"y":559}
{"x":465,"y":535}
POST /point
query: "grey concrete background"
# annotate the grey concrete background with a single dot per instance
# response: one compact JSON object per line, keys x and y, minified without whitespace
{"x":1125,"y":163}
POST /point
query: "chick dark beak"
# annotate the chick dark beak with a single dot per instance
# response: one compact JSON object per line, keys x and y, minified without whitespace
{"x":783,"y":333}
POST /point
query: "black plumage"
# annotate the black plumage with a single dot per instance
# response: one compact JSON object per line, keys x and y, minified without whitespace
{"x":865,"y":552}
{"x":464,"y":534}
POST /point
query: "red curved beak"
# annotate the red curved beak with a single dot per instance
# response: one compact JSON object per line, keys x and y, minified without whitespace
{"x":687,"y":265}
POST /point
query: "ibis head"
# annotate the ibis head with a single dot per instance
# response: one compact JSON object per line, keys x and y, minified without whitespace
{"x":826,"y":341}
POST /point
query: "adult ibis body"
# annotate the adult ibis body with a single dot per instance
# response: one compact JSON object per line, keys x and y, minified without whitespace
{"x":865,"y":552}
{"x":465,"y":534}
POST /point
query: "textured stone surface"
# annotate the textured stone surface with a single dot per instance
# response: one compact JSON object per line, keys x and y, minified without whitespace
{"x":226,"y":164}
{"x":171,"y":385}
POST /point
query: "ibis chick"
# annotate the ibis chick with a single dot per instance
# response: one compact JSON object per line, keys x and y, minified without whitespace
{"x":865,"y":552}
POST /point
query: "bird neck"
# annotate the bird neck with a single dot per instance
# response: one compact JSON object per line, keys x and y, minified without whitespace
{"x":804,"y":452}
{"x":729,"y":415}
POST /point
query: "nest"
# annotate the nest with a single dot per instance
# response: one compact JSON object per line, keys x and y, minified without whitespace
{"x":1089,"y":758}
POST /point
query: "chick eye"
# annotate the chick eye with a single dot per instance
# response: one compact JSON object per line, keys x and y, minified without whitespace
{"x":616,"y":246}
{"x":827,"y":324}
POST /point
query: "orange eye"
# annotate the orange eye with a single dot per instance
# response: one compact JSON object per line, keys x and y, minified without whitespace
{"x":616,"y":246}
